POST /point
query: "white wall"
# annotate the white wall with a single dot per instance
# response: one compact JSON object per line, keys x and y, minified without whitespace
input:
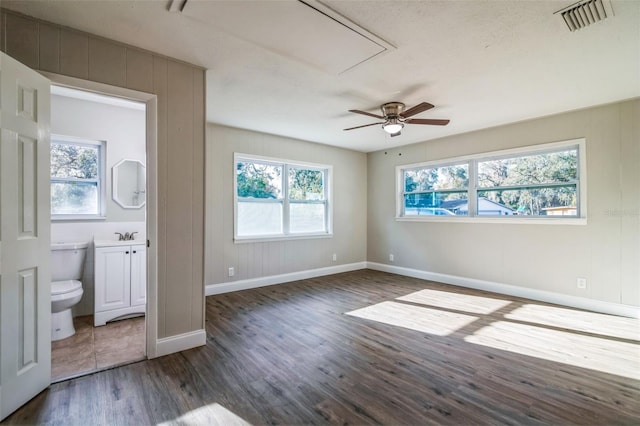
{"x":545,"y":257}
{"x":123,"y":129}
{"x":263,"y":259}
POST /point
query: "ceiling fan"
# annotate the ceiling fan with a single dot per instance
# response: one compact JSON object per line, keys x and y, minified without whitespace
{"x":395,"y":117}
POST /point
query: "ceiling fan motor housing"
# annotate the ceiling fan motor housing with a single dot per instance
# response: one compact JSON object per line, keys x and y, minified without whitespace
{"x":392,"y":109}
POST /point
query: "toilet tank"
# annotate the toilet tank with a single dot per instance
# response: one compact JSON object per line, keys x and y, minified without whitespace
{"x":67,"y":260}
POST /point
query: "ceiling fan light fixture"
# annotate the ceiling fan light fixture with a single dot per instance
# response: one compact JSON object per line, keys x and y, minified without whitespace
{"x":393,"y":126}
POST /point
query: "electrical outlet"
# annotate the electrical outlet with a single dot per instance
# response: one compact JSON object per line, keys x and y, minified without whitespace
{"x":581,"y":283}
{"x":335,"y":257}
{"x":232,"y":271}
{"x":391,"y":258}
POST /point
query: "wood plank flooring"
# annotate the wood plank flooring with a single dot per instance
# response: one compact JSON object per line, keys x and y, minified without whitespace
{"x":368,"y":347}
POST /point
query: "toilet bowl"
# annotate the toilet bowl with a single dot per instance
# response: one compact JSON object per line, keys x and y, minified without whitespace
{"x":67,"y":261}
{"x":64,"y":295}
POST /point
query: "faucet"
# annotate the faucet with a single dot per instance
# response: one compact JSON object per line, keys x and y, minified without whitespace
{"x":126,"y":237}
{"x":129,"y":236}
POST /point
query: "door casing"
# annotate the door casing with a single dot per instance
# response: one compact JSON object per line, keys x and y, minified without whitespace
{"x":151,"y":102}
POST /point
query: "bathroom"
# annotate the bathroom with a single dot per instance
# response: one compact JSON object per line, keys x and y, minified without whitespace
{"x":98,"y":194}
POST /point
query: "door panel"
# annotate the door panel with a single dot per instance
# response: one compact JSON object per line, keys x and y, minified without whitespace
{"x":27,"y":319}
{"x":25,"y":296}
{"x":112,"y":278}
{"x":138,"y":275}
{"x":27,"y":187}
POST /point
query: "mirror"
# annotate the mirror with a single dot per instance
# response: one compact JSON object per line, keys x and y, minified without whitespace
{"x":129,"y":184}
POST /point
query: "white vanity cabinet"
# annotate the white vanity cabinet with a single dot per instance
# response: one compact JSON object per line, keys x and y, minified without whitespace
{"x":120,"y":280}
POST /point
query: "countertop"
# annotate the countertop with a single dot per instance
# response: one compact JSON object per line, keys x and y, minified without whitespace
{"x":115,"y":243}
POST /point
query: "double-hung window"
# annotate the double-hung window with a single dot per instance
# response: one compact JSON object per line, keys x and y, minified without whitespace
{"x":77,"y":170}
{"x":544,"y":181}
{"x":277,"y":198}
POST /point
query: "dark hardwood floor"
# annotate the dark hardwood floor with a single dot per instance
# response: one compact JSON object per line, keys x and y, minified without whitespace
{"x":368,"y":347}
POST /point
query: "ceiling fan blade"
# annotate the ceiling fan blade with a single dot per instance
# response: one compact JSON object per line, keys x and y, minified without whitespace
{"x":357,"y":111}
{"x":395,"y":134}
{"x":421,"y":107}
{"x":364,"y":125}
{"x":431,"y":121}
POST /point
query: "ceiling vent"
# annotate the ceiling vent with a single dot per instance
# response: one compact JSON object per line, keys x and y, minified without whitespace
{"x":176,"y":5}
{"x":585,"y":13}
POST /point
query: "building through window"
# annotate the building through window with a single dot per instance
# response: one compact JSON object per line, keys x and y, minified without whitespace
{"x":540,"y":181}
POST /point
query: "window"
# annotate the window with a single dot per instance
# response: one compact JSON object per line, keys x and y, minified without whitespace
{"x":426,"y":189}
{"x":77,"y":189}
{"x":537,"y":182}
{"x":279,"y":199}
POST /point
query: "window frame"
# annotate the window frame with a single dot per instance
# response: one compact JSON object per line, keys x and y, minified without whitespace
{"x":473,"y":189}
{"x":100,"y":180}
{"x":284,"y":200}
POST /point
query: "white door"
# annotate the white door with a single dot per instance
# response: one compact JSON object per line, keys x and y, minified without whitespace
{"x":25,"y":296}
{"x":138,"y":275}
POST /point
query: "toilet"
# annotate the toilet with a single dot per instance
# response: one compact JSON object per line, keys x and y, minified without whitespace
{"x":67,"y":261}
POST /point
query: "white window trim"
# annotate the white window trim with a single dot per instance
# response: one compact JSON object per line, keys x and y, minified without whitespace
{"x":102,"y":187}
{"x":328,"y":189}
{"x":472,"y":160}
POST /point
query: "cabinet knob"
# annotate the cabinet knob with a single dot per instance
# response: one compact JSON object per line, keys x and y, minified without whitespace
{"x":126,"y":252}
{"x":134,"y":252}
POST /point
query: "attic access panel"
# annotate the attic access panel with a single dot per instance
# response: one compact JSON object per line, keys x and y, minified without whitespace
{"x":305,"y":31}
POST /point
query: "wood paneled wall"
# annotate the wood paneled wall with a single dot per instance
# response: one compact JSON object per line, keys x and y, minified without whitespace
{"x":179,"y":88}
{"x":259,"y":259}
{"x":539,"y":257}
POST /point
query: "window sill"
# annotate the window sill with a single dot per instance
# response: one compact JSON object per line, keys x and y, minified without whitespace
{"x":505,"y":220}
{"x":76,"y":217}
{"x":268,"y":239}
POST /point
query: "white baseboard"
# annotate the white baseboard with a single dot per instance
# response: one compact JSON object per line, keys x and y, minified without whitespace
{"x":212,"y":289}
{"x":180,"y":342}
{"x":511,"y":290}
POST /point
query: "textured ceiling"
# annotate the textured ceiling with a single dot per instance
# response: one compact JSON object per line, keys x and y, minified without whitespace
{"x":482,"y":63}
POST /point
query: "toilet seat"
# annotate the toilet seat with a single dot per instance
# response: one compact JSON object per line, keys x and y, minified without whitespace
{"x":64,"y":287}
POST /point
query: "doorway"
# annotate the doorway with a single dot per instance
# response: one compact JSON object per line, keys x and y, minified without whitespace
{"x":108,"y":135}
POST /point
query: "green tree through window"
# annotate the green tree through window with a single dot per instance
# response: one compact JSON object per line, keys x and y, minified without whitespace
{"x":277,"y":198}
{"x":529,"y":173}
{"x":540,"y":181}
{"x":255,"y":180}
{"x":305,"y":184}
{"x":75,"y":178}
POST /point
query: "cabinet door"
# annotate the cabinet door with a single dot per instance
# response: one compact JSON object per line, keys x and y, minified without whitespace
{"x":138,"y":275}
{"x":113,"y":278}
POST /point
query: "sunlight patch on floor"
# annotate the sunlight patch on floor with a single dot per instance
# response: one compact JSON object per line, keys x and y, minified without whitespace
{"x":458,"y":302}
{"x":212,"y":414}
{"x":418,"y":318}
{"x":600,"y":354}
{"x":589,"y":322}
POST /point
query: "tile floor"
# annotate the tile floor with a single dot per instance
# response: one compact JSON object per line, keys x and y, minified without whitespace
{"x":92,"y":349}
